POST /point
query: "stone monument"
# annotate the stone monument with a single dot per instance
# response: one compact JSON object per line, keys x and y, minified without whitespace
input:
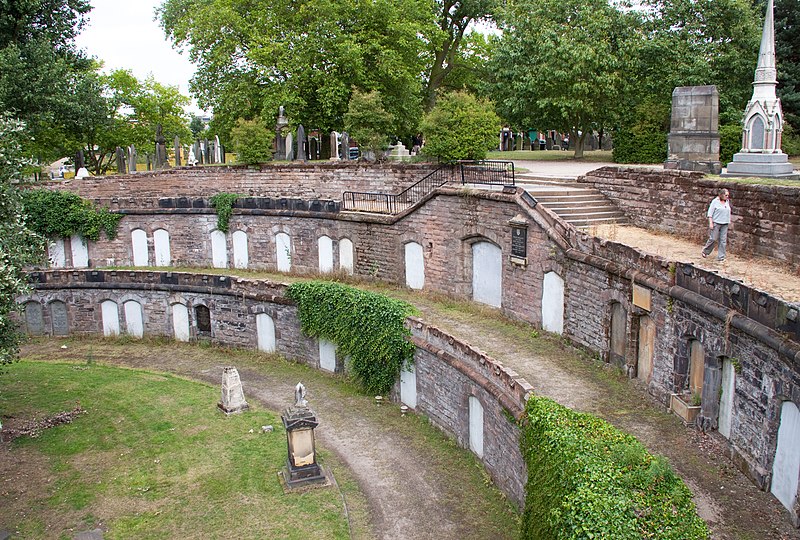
{"x":694,"y":130}
{"x":301,"y":143}
{"x":280,"y":140}
{"x":334,"y":146}
{"x":761,"y":153}
{"x":232,"y":393}
{"x":161,"y":148}
{"x":345,"y":146}
{"x":399,"y":152}
{"x":300,"y":421}
{"x":289,"y":147}
{"x":219,"y":153}
{"x":132,"y":158}
{"x":177,"y":149}
{"x":120,"y":155}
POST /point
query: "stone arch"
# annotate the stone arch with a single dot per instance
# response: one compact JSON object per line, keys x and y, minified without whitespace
{"x":202,"y":319}
{"x":161,"y":248}
{"x":180,"y":321}
{"x":414,"y":263}
{"x":346,"y":256}
{"x":241,"y":253}
{"x":487,"y":270}
{"x":219,"y":249}
{"x":283,"y":249}
{"x":325,"y":254}
{"x":139,"y":247}
{"x":110,"y":316}
{"x":134,"y":318}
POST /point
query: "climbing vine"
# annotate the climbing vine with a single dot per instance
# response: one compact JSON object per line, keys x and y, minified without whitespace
{"x":223,"y":203}
{"x":366,"y":327}
{"x":58,"y":214}
{"x":587,"y":479}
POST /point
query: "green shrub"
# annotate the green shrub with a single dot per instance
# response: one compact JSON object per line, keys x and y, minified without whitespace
{"x":223,"y":204}
{"x":586,"y":479}
{"x":367,"y":327}
{"x":460,"y":126}
{"x":368,"y":123}
{"x":730,"y":142}
{"x":58,"y":214}
{"x":252,"y":141}
{"x":639,"y":144}
{"x":790,"y":141}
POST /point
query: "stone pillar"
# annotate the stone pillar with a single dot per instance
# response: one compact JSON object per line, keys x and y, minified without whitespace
{"x":232,"y":393}
{"x":693,"y":143}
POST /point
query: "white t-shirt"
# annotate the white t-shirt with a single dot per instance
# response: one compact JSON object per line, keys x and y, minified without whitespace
{"x":720,"y":212}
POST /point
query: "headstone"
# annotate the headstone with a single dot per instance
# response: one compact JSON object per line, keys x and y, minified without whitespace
{"x":289,"y":148}
{"x":313,"y":148}
{"x":761,"y":153}
{"x":334,"y":146}
{"x":149,"y":165}
{"x":79,"y":161}
{"x":192,"y":159}
{"x":232,"y":392}
{"x":58,"y":317}
{"x":693,"y":143}
{"x":120,"y":161}
{"x":82,"y":173}
{"x":219,"y":156}
{"x":177,"y":149}
{"x":198,"y":155}
{"x":132,"y":158}
{"x":398,"y":152}
{"x":206,"y":151}
{"x":212,"y":151}
{"x":34,"y":318}
{"x":280,"y":140}
{"x":301,"y":143}
{"x":345,"y":146}
{"x":161,"y":148}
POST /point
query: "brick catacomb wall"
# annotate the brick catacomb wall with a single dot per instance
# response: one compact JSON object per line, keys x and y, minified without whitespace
{"x":448,"y":371}
{"x":766,"y":219}
{"x":729,"y":320}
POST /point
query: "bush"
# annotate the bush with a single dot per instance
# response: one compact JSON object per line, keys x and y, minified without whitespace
{"x":640,"y":144}
{"x":790,"y":141}
{"x":252,"y":141}
{"x":730,"y":142}
{"x":58,"y":214}
{"x":368,"y":122}
{"x":460,"y":127}
{"x":586,"y":479}
{"x":367,"y":327}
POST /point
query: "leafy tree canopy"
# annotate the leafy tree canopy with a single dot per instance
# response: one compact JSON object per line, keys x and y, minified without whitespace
{"x":787,"y":49}
{"x":19,"y":247}
{"x":368,"y":122}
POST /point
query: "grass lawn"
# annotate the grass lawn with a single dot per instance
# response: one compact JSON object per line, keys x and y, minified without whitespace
{"x":550,"y":155}
{"x":152,"y":458}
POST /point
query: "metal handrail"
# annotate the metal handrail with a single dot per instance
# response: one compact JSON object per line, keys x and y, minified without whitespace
{"x":488,"y":172}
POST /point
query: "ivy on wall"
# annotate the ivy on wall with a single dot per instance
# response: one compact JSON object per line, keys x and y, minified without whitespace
{"x":223,"y":204}
{"x":587,"y":479}
{"x":58,"y":214}
{"x":367,"y":327}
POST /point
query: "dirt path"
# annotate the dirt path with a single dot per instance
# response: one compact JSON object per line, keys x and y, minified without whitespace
{"x":411,"y":492}
{"x":757,"y":272}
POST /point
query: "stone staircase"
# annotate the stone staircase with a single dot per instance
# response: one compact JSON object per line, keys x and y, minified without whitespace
{"x":578,"y":204}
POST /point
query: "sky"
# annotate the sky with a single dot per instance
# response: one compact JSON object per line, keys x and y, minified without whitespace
{"x":125,"y":36}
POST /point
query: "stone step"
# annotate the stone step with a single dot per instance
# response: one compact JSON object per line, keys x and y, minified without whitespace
{"x":555,"y":200}
{"x":600,"y":214}
{"x":602,"y":206}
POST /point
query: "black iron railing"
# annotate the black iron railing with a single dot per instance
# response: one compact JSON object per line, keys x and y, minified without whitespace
{"x":495,"y":173}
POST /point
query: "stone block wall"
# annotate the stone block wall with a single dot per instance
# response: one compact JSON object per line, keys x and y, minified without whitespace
{"x":766,"y":219}
{"x":448,"y":371}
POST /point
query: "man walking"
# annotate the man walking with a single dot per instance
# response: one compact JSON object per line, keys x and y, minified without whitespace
{"x":719,"y":219}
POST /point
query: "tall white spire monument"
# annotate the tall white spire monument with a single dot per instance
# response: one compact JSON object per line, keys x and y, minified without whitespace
{"x":761,"y":153}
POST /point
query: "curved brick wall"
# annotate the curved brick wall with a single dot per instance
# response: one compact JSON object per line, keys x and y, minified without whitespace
{"x":686,"y":304}
{"x":448,"y":371}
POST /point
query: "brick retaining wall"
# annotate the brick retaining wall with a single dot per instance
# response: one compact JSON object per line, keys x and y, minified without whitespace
{"x":766,"y":219}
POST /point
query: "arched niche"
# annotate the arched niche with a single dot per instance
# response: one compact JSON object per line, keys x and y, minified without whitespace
{"x":163,"y":257}
{"x":139,"y":247}
{"x":414,"y":265}
{"x":241,"y":255}
{"x":325,"y":251}
{"x":180,"y":322}
{"x":346,"y":256}
{"x":487,"y":273}
{"x":110,"y":313}
{"x":134,"y":319}
{"x":219,"y":249}
{"x":265,"y":331}
{"x":283,"y":248}
{"x":80,"y":251}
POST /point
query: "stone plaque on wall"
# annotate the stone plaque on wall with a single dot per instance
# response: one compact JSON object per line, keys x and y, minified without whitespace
{"x":34,"y":318}
{"x":641,"y":296}
{"x":58,"y":314}
{"x":519,"y":240}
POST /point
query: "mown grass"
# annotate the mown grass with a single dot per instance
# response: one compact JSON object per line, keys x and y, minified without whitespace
{"x":755,"y":181}
{"x":152,"y":458}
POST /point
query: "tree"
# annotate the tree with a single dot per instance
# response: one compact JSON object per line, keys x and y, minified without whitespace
{"x":19,"y":247}
{"x":254,"y":57}
{"x":787,"y":49}
{"x":252,"y":141}
{"x":563,"y":64}
{"x":39,"y":67}
{"x":460,"y":126}
{"x":197,"y":126}
{"x":368,"y":122}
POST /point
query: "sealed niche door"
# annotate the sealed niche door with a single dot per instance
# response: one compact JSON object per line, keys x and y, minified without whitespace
{"x":475,"y":426}
{"x":644,"y":357}
{"x":325,"y":249}
{"x":56,"y":253}
{"x":180,"y":322}
{"x":134,"y":323}
{"x":265,"y":329}
{"x":327,"y":355}
{"x":346,"y":255}
{"x":139,"y":245}
{"x":415,"y":266}
{"x":80,"y":251}
{"x":619,"y":318}
{"x":241,"y":256}
{"x":786,"y":468}
{"x":219,"y":249}
{"x":283,"y":247}
{"x":726,"y":398}
{"x":161,"y":247}
{"x":408,"y":386}
{"x":553,"y":303}
{"x":110,"y":313}
{"x":487,"y":273}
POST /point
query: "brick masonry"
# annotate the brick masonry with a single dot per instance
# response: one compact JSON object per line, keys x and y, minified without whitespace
{"x":729,"y":319}
{"x":766,"y":219}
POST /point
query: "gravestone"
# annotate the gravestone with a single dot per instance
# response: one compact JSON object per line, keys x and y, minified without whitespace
{"x":161,"y":148}
{"x":232,"y":393}
{"x":192,"y":159}
{"x":198,"y":156}
{"x":82,"y":173}
{"x":132,"y":158}
{"x":280,"y":140}
{"x":219,"y":154}
{"x":120,"y":155}
{"x":34,"y":318}
{"x":289,"y":148}
{"x":399,"y":152}
{"x":58,"y":316}
{"x":693,"y":143}
{"x":79,"y":161}
{"x":301,"y":143}
{"x":345,"y":146}
{"x":334,"y":146}
{"x":177,"y":149}
{"x":206,"y":152}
